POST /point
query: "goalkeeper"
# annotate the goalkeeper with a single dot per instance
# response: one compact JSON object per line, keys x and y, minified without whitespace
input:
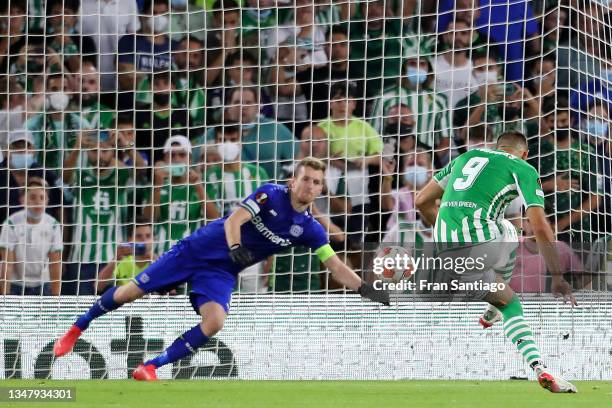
{"x":474,"y":189}
{"x":268,"y":221}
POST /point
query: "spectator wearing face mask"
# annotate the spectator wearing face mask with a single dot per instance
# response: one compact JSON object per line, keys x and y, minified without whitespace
{"x":265,"y":142}
{"x":31,"y":246}
{"x":55,"y":130}
{"x":230,"y":180}
{"x":18,"y":167}
{"x":430,"y":109}
{"x":179,"y":201}
{"x":227,"y":183}
{"x":403,"y":224}
{"x":147,"y":51}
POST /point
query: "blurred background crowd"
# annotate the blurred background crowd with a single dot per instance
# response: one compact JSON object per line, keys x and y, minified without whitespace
{"x":127,"y":124}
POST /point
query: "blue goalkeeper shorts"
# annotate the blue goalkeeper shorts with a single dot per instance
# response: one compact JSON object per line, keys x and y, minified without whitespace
{"x":208,"y":282}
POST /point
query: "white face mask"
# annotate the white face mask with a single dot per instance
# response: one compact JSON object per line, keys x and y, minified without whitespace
{"x":486,"y":77}
{"x":159,"y":23}
{"x":417,"y":176}
{"x":58,"y":101}
{"x":229,"y":151}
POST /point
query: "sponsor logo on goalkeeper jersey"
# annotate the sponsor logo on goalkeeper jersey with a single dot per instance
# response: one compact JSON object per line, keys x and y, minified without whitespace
{"x":267,"y":233}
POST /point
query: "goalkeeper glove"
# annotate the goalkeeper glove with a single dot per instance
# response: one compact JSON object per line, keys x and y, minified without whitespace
{"x":367,"y":290}
{"x":240,"y":255}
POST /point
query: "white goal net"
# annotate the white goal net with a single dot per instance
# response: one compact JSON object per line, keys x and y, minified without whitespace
{"x":127,"y":125}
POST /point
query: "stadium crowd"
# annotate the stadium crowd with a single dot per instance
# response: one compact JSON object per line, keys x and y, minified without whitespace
{"x":126,"y":125}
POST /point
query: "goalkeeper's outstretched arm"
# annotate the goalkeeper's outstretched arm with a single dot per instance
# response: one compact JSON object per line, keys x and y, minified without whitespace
{"x":347,"y":277}
{"x":546,"y":242}
{"x":232,"y":225}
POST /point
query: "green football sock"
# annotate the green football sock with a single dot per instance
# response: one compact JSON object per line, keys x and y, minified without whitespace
{"x":518,"y":331}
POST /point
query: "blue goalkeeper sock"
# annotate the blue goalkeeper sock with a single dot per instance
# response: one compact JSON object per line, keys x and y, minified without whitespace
{"x":186,"y":344}
{"x":102,"y":306}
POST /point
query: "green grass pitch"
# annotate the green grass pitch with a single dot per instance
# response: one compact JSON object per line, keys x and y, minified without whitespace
{"x":317,"y":394}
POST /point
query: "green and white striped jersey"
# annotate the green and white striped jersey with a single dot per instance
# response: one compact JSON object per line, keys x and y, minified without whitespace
{"x":229,"y":188}
{"x":478,"y":186}
{"x":180,"y":214}
{"x":430,"y":110}
{"x":100,"y":213}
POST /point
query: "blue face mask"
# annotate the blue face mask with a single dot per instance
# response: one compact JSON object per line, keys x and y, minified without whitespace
{"x":597,"y":127}
{"x":22,"y":160}
{"x":416,"y":75}
{"x":34,"y":215}
{"x":417,"y":176}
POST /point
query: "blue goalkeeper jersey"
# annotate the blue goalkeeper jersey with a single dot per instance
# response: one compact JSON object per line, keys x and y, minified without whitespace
{"x":275,"y":226}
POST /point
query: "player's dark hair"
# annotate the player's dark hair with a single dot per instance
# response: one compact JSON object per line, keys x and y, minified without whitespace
{"x":311,"y":162}
{"x":512,"y":139}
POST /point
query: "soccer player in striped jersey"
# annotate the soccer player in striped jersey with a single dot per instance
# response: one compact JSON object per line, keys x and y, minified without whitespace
{"x":267,"y":222}
{"x":474,"y":189}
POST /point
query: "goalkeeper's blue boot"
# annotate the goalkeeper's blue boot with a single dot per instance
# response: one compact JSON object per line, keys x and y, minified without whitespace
{"x":64,"y":344}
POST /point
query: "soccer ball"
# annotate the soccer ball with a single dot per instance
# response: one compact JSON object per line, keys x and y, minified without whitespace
{"x":393,"y":264}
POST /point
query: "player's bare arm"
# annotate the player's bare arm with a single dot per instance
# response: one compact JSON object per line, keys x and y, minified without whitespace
{"x":342,"y":273}
{"x":546,"y":242}
{"x":426,"y":201}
